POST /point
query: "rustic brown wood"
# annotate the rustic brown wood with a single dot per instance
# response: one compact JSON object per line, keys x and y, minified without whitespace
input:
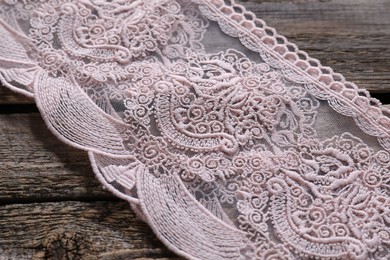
{"x":76,"y":230}
{"x":36,"y":166}
{"x":9,"y":97}
{"x":52,"y":207}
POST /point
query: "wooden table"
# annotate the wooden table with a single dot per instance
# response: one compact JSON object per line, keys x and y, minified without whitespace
{"x":52,"y":207}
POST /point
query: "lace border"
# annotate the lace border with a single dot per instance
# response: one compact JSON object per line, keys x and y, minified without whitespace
{"x":321,"y":81}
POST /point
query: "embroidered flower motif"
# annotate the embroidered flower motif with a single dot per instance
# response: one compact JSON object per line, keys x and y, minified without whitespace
{"x":152,"y":151}
{"x":53,"y":60}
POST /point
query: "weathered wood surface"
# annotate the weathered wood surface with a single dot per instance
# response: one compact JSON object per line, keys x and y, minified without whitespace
{"x":51,"y":207}
{"x":76,"y":230}
{"x":36,"y":166}
{"x":9,"y":97}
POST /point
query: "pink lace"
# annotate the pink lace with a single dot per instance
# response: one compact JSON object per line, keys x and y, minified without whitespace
{"x":255,"y":151}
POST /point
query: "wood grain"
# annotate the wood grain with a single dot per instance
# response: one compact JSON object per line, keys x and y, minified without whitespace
{"x":76,"y":230}
{"x":36,"y":166}
{"x":52,"y":207}
{"x":8,"y":97}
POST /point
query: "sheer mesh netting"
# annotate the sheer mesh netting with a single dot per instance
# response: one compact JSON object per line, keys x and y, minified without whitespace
{"x":253,"y":151}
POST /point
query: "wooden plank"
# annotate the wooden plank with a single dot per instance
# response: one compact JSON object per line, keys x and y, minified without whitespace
{"x":9,"y":97}
{"x":76,"y":230}
{"x":351,"y":36}
{"x":36,"y":166}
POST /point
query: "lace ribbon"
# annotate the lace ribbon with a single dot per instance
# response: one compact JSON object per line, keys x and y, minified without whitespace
{"x":254,"y":151}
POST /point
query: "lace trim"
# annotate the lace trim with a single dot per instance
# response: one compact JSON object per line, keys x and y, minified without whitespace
{"x":344,"y":97}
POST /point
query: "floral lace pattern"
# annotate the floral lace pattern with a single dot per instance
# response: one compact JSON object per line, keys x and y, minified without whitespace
{"x":222,"y":154}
